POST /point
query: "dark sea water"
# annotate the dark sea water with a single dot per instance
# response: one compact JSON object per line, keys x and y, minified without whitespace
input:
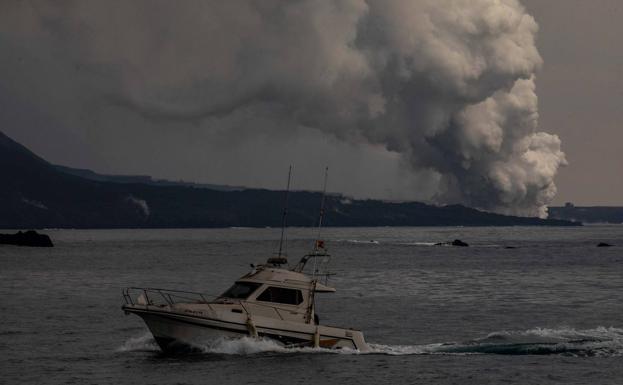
{"x":549,"y":311}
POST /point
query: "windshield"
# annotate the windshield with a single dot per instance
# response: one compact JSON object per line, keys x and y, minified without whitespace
{"x":241,"y":290}
{"x":281,"y":295}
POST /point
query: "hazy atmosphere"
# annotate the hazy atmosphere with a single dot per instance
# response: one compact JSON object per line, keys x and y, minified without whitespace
{"x":453,"y":211}
{"x":474,"y":102}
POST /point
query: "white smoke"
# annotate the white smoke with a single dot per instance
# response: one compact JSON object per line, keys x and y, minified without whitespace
{"x":141,"y":204}
{"x":448,"y":84}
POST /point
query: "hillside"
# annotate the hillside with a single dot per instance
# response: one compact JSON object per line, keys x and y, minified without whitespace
{"x":588,"y":214}
{"x":142,"y":179}
{"x":36,"y":194}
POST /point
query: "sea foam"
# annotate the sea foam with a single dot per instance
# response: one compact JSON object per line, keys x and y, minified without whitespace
{"x":598,"y":342}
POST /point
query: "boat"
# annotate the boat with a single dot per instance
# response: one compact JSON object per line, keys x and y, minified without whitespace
{"x":269,"y":302}
{"x":272,"y":301}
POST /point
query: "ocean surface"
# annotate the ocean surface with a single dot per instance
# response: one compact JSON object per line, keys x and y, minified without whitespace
{"x":521,"y":305}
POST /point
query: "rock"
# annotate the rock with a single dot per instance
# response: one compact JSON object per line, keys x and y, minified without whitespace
{"x":458,"y":242}
{"x":604,"y":244}
{"x":26,"y":238}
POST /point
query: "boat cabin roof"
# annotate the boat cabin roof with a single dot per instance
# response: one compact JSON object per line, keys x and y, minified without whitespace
{"x":284,"y":278}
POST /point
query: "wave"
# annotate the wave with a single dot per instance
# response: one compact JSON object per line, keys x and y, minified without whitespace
{"x":448,"y":244}
{"x":439,"y":243}
{"x":601,"y":341}
{"x":225,"y":346}
{"x":359,"y":241}
{"x":144,"y":343}
{"x":598,"y":342}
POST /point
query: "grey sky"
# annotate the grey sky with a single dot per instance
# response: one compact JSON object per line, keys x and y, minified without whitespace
{"x":580,"y":88}
{"x":59,"y":96}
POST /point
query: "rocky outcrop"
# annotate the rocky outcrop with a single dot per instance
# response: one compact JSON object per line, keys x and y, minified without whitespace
{"x":26,"y":238}
{"x":456,"y":242}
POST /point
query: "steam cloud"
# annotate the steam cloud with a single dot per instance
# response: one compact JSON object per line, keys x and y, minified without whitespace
{"x":448,"y":84}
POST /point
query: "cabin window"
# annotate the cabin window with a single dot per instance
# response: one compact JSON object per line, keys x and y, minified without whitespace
{"x":241,"y":290}
{"x":281,"y":295}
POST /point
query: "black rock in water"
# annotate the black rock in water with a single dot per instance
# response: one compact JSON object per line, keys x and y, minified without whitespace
{"x":27,"y":238}
{"x":604,"y":244}
{"x":458,"y":242}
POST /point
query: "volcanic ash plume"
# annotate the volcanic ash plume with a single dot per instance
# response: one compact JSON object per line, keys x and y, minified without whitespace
{"x":448,"y":84}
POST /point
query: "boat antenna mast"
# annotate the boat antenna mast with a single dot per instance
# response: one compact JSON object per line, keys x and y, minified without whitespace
{"x":281,"y":258}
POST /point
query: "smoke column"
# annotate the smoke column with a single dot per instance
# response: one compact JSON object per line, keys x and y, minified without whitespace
{"x":447,"y":84}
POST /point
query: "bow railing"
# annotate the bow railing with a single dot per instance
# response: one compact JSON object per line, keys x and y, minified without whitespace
{"x":156,"y":296}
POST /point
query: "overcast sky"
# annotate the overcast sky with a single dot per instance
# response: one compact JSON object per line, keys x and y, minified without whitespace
{"x":580,"y":89}
{"x":194,"y":94}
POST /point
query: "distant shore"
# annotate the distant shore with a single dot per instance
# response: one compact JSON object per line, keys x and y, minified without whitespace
{"x":37,"y":194}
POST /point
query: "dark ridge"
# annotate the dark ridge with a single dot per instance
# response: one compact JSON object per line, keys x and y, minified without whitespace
{"x":35,"y":194}
{"x":142,"y":179}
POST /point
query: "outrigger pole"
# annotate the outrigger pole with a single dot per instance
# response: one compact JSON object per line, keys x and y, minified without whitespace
{"x":285,"y":214}
{"x":318,"y":243}
{"x":321,"y":215}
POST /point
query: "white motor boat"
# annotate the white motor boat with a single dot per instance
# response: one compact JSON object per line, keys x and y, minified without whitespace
{"x":269,"y":302}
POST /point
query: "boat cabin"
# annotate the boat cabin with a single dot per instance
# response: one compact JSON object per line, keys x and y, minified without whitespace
{"x":276,"y":293}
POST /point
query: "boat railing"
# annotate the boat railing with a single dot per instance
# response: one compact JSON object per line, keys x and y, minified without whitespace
{"x":160,"y":297}
{"x":156,"y":296}
{"x":319,"y":269}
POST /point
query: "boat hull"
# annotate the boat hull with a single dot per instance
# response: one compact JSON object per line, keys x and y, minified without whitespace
{"x":178,"y":335}
{"x":175,"y":332}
